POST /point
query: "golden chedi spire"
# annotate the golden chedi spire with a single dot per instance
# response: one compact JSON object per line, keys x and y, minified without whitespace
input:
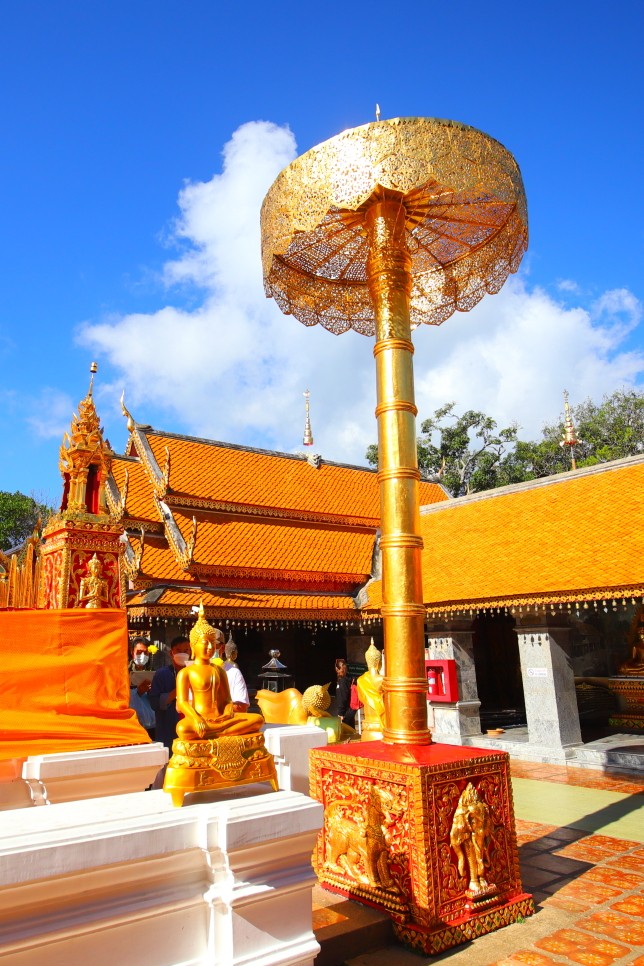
{"x":85,"y":459}
{"x":569,"y":437}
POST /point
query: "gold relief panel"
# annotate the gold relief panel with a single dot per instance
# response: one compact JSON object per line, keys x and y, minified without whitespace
{"x":79,"y":569}
{"x":50,"y":574}
{"x":362,"y":848}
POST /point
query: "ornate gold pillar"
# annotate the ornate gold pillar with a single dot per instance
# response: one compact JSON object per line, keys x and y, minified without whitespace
{"x":389,"y":280}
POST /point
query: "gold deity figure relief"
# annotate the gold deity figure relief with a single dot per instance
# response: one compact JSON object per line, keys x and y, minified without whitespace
{"x":203,"y":695}
{"x":93,"y":590}
{"x":357,"y":846}
{"x":469,"y":837}
{"x":370,"y":693}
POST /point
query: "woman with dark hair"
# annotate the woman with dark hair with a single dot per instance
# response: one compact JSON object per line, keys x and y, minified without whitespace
{"x":343,"y":694}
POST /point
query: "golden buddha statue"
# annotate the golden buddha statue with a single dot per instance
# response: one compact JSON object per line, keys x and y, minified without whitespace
{"x":634,"y":665}
{"x":203,"y":695}
{"x":370,"y":693}
{"x":216,"y":747}
{"x":315,"y":702}
{"x":93,"y":592}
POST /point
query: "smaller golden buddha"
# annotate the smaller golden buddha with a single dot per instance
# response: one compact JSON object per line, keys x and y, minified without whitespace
{"x":93,"y":592}
{"x":203,"y":695}
{"x":634,"y":665}
{"x":216,"y":747}
{"x":315,"y":702}
{"x":370,"y":693}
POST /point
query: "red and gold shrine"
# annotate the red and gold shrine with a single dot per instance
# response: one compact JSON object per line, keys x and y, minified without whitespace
{"x":82,"y":547}
{"x":424,"y":833}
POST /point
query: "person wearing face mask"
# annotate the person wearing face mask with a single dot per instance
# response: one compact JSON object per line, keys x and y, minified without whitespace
{"x":139,"y":686}
{"x":140,"y":659}
{"x":163,"y":692}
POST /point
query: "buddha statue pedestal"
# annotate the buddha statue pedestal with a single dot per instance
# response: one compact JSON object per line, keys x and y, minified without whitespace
{"x":207,"y":764}
{"x":423,"y":832}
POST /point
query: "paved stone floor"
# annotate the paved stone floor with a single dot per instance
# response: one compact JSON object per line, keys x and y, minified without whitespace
{"x":581,"y":846}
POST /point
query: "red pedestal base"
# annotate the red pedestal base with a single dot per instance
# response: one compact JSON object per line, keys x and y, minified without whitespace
{"x":424,"y":833}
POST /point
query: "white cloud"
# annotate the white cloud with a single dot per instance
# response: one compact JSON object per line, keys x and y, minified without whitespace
{"x":235,"y":368}
{"x":568,"y":285}
{"x":49,"y":415}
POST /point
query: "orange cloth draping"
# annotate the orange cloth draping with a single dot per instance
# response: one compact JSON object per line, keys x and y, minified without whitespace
{"x":64,"y":684}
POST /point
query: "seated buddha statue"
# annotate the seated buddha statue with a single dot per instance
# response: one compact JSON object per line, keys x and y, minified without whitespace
{"x":634,"y":665}
{"x":370,"y":693}
{"x":203,"y":695}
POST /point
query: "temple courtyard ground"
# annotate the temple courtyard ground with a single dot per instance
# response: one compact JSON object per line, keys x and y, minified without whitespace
{"x":581,"y":846}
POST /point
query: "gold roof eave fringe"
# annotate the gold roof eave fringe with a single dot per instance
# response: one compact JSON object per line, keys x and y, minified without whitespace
{"x":628,"y":594}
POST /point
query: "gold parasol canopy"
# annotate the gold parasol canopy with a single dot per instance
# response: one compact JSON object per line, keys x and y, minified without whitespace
{"x":465,"y":221}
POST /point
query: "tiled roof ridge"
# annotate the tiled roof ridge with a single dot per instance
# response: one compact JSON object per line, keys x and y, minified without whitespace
{"x":257,"y":591}
{"x":175,"y":501}
{"x":556,"y":478}
{"x":301,"y":457}
{"x":267,"y":573}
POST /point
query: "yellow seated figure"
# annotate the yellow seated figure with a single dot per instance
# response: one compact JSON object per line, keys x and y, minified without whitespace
{"x":370,"y":693}
{"x":315,"y":702}
{"x":282,"y":707}
{"x":215,"y":746}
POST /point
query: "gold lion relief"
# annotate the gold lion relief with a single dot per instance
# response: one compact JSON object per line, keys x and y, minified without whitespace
{"x":358,"y":847}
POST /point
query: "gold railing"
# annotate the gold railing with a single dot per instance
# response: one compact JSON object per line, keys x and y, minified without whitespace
{"x":20,"y":577}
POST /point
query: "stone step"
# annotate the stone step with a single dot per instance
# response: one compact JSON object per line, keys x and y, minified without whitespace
{"x":617,"y":751}
{"x":345,"y":929}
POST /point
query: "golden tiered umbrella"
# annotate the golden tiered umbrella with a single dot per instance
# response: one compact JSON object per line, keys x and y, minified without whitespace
{"x":381,"y":228}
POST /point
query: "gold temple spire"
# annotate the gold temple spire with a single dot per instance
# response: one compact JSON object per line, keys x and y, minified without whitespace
{"x":377,"y":112}
{"x":569,"y":437}
{"x":308,"y":433}
{"x":85,"y":459}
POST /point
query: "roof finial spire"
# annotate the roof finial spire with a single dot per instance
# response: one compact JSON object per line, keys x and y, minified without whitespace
{"x":93,"y":368}
{"x":128,"y":415}
{"x":308,"y":434}
{"x":377,"y":112}
{"x":570,"y":435}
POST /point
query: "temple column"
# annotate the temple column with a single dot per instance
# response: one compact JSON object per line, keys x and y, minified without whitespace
{"x":548,"y":683}
{"x":453,"y":721}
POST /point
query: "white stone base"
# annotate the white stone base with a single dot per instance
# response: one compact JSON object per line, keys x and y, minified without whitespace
{"x":223,"y":881}
{"x":290,"y":746}
{"x":75,"y":775}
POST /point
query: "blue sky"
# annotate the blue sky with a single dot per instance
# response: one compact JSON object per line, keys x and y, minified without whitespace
{"x":137,"y":141}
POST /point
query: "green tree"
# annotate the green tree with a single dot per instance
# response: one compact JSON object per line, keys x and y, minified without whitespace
{"x":19,"y":516}
{"x":468,"y":453}
{"x":610,"y":430}
{"x":463,"y":452}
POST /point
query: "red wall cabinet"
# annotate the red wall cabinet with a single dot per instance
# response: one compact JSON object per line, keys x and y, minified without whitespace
{"x":441,"y":680}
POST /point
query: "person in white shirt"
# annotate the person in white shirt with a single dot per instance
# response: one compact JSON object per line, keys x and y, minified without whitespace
{"x":236,"y":683}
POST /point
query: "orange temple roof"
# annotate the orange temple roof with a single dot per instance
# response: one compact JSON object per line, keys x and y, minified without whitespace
{"x":279,"y":545}
{"x":237,"y":476}
{"x":235,"y":520}
{"x":574,"y":536}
